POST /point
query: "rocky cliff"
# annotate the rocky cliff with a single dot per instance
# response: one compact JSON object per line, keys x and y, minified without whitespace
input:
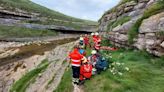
{"x":25,"y":13}
{"x":136,"y":23}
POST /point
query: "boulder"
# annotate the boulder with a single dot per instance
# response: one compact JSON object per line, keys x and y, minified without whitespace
{"x":122,"y":37}
{"x":128,"y":9}
{"x":150,"y":35}
{"x":135,"y":13}
{"x":131,"y":3}
{"x":150,"y":2}
{"x":123,"y":28}
{"x":150,"y":42}
{"x":108,"y":17}
{"x":141,"y":1}
{"x":139,"y":6}
{"x":140,"y":44}
{"x":153,"y":24}
{"x":162,"y":44}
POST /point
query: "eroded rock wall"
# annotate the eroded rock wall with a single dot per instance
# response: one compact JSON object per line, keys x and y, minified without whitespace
{"x":150,"y":37}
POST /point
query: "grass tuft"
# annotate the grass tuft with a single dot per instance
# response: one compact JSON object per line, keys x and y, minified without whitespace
{"x":66,"y":83}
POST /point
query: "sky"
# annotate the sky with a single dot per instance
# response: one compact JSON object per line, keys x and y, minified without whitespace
{"x":84,"y":9}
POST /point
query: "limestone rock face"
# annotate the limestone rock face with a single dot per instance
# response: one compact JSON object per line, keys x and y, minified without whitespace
{"x":162,"y":44}
{"x":153,"y":24}
{"x":150,"y":37}
{"x":149,"y":28}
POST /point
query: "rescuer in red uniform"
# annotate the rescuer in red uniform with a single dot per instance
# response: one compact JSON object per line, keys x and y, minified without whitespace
{"x":76,"y":59}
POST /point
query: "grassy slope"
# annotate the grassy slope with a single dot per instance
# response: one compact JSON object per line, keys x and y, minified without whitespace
{"x":66,"y":83}
{"x":6,"y":31}
{"x":23,"y":83}
{"x":53,"y":17}
{"x":146,"y":75}
{"x":29,"y":6}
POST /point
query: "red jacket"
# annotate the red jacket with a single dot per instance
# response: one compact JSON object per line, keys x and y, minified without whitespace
{"x":85,"y":71}
{"x":86,"y":40}
{"x":96,"y":39}
{"x":75,"y":58}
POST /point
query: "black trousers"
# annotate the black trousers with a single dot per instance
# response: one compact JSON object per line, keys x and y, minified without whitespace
{"x":76,"y":71}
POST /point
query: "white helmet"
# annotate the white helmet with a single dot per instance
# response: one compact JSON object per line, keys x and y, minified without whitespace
{"x":92,"y":34}
{"x":81,"y":38}
{"x":93,"y":52}
{"x":96,"y":33}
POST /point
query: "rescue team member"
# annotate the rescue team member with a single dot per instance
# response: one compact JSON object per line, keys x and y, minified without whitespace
{"x":93,"y":58}
{"x":76,"y":59}
{"x":81,"y":42}
{"x":97,"y":42}
{"x":101,"y":65}
{"x":91,"y":40}
{"x":86,"y":41}
{"x":85,"y":70}
{"x":82,"y":51}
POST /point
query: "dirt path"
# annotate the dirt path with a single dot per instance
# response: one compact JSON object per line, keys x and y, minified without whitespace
{"x":78,"y":88}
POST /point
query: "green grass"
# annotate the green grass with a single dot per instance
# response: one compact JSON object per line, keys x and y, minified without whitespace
{"x":24,"y":82}
{"x":152,"y":10}
{"x":146,"y":74}
{"x":120,"y":21}
{"x":160,"y":35}
{"x":13,"y":31}
{"x":66,"y":83}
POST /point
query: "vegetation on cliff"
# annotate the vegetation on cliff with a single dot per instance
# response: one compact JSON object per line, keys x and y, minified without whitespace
{"x":119,"y":21}
{"x":152,"y":10}
{"x":13,"y":31}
